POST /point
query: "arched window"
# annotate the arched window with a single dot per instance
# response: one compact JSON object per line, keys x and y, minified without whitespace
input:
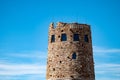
{"x":74,"y":55}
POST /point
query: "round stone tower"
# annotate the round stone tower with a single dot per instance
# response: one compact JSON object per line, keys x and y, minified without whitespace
{"x":70,"y":55}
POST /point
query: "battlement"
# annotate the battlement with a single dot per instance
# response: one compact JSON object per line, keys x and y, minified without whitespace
{"x":69,"y":30}
{"x":70,"y":25}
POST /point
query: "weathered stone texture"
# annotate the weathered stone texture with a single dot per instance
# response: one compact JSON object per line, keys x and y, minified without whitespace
{"x":60,"y":64}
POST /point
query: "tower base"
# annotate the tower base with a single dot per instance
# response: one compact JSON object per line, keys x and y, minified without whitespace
{"x":71,"y":79}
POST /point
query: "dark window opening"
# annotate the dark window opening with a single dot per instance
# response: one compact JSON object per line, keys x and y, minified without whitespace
{"x":61,"y":30}
{"x":82,"y":45}
{"x":59,"y":36}
{"x":74,"y":55}
{"x":53,"y":69}
{"x":53,"y":38}
{"x":63,"y":37}
{"x":68,"y":57}
{"x":60,"y":61}
{"x":71,"y":76}
{"x":86,"y":38}
{"x":76,"y":37}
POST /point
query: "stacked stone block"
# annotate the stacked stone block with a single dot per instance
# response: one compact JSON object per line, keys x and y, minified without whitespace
{"x":70,"y":59}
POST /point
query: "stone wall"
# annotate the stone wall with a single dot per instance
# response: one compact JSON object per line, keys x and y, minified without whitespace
{"x":70,"y":60}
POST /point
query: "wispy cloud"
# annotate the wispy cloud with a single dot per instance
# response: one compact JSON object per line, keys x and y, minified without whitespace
{"x":27,"y":54}
{"x":105,"y":50}
{"x":22,"y":69}
{"x":106,"y":78}
{"x":24,"y":57}
{"x":38,"y":67}
{"x":107,"y":65}
{"x":27,"y":65}
{"x":107,"y":69}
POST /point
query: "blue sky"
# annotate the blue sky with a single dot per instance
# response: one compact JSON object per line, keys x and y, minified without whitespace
{"x":24,"y":35}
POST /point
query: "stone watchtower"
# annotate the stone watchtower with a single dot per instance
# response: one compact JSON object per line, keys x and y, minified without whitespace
{"x":70,"y":55}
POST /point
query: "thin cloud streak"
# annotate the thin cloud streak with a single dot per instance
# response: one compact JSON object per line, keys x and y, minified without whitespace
{"x":108,"y":68}
{"x":13,"y":69}
{"x":105,"y":50}
{"x":106,"y":78}
{"x":22,"y":69}
{"x":107,"y":65}
{"x":28,"y":54}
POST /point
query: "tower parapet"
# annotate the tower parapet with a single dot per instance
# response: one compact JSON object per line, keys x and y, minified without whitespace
{"x":70,"y":55}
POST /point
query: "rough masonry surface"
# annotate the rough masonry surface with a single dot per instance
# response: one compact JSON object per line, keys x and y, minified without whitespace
{"x":70,"y":55}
